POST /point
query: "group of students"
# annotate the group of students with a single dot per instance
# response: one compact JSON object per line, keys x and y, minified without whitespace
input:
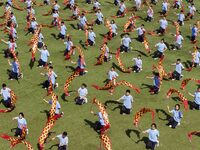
{"x":125,"y":46}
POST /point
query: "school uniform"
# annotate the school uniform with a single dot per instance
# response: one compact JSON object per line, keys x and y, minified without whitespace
{"x":181,"y":18}
{"x":156,"y":85}
{"x":101,"y":123}
{"x":68,"y":46}
{"x":33,"y":27}
{"x":196,"y":103}
{"x":112,"y":75}
{"x":163,"y":26}
{"x":138,"y":65}
{"x":96,"y":5}
{"x":164,"y":8}
{"x":150,"y":14}
{"x":40,"y":40}
{"x":140,"y":32}
{"x":99,"y":19}
{"x":81,"y":99}
{"x":196,"y":59}
{"x":176,"y":118}
{"x":63,"y":142}
{"x":114,"y":30}
{"x":179,"y":41}
{"x":81,"y":66}
{"x":121,"y":10}
{"x":44,"y":54}
{"x":14,"y":71}
{"x":153,"y":138}
{"x":192,"y":10}
{"x":6,"y":96}
{"x":125,"y":44}
{"x":21,"y":124}
{"x":178,"y":70}
{"x":82,"y":23}
{"x":51,"y":78}
{"x":62,"y":33}
{"x":194,"y":33}
{"x":161,"y":47}
{"x":91,"y":38}
{"x":58,"y":107}
{"x":127,"y":104}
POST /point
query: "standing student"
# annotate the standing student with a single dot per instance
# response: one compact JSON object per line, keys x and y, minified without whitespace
{"x":68,"y":46}
{"x":5,"y":93}
{"x":44,"y":54}
{"x":114,"y":28}
{"x":156,"y":83}
{"x":33,"y":26}
{"x":153,"y":137}
{"x":82,"y":95}
{"x":161,"y":48}
{"x":55,"y":17}
{"x":150,"y":14}
{"x":177,"y":4}
{"x":107,"y":57}
{"x":179,"y":40}
{"x":127,"y":103}
{"x":181,"y":18}
{"x":81,"y":65}
{"x":192,"y":11}
{"x":163,"y":26}
{"x":96,"y":5}
{"x":122,"y":9}
{"x":91,"y":37}
{"x":138,"y":64}
{"x":63,"y":141}
{"x":165,"y":6}
{"x":99,"y":19}
{"x":196,"y":58}
{"x":15,"y":71}
{"x":12,"y":46}
{"x":112,"y":75}
{"x":138,"y":4}
{"x":177,"y":74}
{"x":21,"y":121}
{"x":176,"y":118}
{"x":63,"y":31}
{"x":196,"y":95}
{"x":125,"y":43}
{"x":194,"y":31}
{"x":40,"y":40}
{"x":141,"y":31}
{"x":83,"y":22}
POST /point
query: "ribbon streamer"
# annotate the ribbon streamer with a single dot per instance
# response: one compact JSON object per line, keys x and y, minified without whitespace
{"x":186,"y":81}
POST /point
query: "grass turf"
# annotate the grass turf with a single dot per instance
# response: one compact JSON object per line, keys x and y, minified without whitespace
{"x":81,"y":135}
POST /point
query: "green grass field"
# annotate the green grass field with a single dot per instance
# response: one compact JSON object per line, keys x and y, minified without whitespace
{"x":81,"y":135}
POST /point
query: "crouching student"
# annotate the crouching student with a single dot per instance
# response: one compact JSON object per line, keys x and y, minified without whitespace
{"x":82,"y":95}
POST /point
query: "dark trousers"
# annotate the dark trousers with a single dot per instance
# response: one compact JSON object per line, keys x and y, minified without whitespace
{"x":7,"y":103}
{"x":151,"y":145}
{"x":161,"y":30}
{"x":195,"y":106}
{"x":172,"y":122}
{"x":193,"y":38}
{"x":88,"y":1}
{"x":149,"y":19}
{"x":91,"y":43}
{"x":176,"y":75}
{"x":64,"y":147}
{"x":98,"y":126}
{"x":13,"y":75}
{"x":125,"y":110}
{"x":119,"y":13}
{"x":40,"y":44}
{"x":42,"y":63}
{"x":123,"y":48}
{"x":157,"y":54}
{"x":154,"y":89}
{"x":136,"y":68}
{"x":18,"y":132}
{"x":98,"y":22}
{"x":31,"y":30}
{"x":141,"y":38}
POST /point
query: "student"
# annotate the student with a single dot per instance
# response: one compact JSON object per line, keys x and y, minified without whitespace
{"x":122,"y":9}
{"x":196,"y":95}
{"x":161,"y":48}
{"x":14,"y":73}
{"x":55,"y":17}
{"x":192,"y":11}
{"x":52,"y":76}
{"x":14,"y":20}
{"x":56,"y":7}
{"x":63,"y":141}
{"x":40,"y":40}
{"x":138,"y":4}
{"x":138,"y":64}
{"x":196,"y":58}
{"x":91,"y":37}
{"x":63,"y":30}
{"x":163,"y":26}
{"x":5,"y":93}
{"x":177,"y":4}
{"x":33,"y":26}
{"x":83,"y":22}
{"x":176,"y":118}
{"x":11,"y":46}
{"x":100,"y":125}
{"x":99,"y":19}
{"x":194,"y":31}
{"x":177,"y":74}
{"x":153,"y":137}
{"x":179,"y":41}
{"x":96,"y":5}
{"x":82,"y":95}
{"x":114,"y":28}
{"x":21,"y":124}
{"x":156,"y":83}
{"x":69,"y":46}
{"x":58,"y":107}
{"x":44,"y":54}
{"x":75,"y":12}
{"x":112,"y":75}
{"x":12,"y":32}
{"x":125,"y":42}
{"x":150,"y":14}
{"x":181,"y":18}
{"x":165,"y":6}
{"x":107,"y":57}
{"x":127,"y":103}
{"x":141,"y":31}
{"x":81,"y":65}
{"x":116,"y":2}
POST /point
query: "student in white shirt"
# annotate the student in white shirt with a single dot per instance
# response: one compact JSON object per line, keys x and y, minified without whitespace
{"x":63,"y":141}
{"x":191,"y":12}
{"x":40,"y":40}
{"x":63,"y":31}
{"x":5,"y":93}
{"x":33,"y":26}
{"x":99,"y":15}
{"x":91,"y":37}
{"x":82,"y":95}
{"x":44,"y":54}
{"x":122,"y":9}
{"x":83,"y":22}
{"x":125,"y":43}
{"x":177,"y":74}
{"x":96,"y":5}
{"x":163,"y":26}
{"x":55,"y":19}
{"x":181,"y":18}
{"x":112,"y":76}
{"x":138,"y":64}
{"x":179,"y":40}
{"x":150,"y":14}
{"x":138,"y":4}
{"x":114,"y":29}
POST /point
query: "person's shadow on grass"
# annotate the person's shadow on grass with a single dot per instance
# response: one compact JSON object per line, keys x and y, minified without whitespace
{"x":128,"y":133}
{"x":91,"y":124}
{"x":46,"y":112}
{"x":111,"y":102}
{"x":167,"y":116}
{"x":55,"y":145}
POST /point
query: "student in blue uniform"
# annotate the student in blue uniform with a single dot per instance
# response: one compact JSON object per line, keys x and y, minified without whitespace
{"x":196,"y":95}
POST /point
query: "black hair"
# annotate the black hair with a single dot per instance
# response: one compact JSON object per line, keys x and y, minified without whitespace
{"x":153,"y":124}
{"x":3,"y":85}
{"x":64,"y":133}
{"x":22,"y":114}
{"x":84,"y":85}
{"x":128,"y":91}
{"x":178,"y":106}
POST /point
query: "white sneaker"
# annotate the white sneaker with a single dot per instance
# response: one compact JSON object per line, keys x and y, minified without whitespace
{"x":170,"y":126}
{"x":56,"y":84}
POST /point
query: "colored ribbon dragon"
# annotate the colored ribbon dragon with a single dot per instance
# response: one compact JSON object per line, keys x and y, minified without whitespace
{"x":186,"y":81}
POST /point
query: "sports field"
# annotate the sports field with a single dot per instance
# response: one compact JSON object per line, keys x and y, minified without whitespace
{"x":77,"y":120}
